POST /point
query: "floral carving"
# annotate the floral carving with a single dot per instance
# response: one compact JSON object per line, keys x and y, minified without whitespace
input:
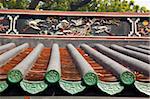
{"x":144,"y":28}
{"x":3,"y":27}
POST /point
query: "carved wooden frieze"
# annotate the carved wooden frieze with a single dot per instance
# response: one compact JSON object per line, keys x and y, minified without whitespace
{"x":73,"y":25}
{"x":144,"y":27}
{"x":139,"y":26}
{"x":4,"y":23}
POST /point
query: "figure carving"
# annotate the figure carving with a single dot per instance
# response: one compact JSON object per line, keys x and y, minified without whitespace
{"x":72,"y":26}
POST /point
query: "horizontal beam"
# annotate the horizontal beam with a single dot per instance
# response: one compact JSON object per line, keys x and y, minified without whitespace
{"x":137,"y":55}
{"x":17,"y":73}
{"x":122,"y":73}
{"x":53,"y":73}
{"x":75,"y":13}
{"x":87,"y":72}
{"x":84,"y":38}
{"x":133,"y":63}
{"x":5,"y":57}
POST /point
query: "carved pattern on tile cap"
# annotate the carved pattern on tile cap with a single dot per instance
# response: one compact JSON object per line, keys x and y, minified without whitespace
{"x":15,"y":76}
{"x":3,"y":86}
{"x":71,"y":87}
{"x":90,"y":78}
{"x":52,"y":76}
{"x":127,"y":78}
{"x":33,"y":87}
{"x":110,"y":88}
{"x":143,"y":87}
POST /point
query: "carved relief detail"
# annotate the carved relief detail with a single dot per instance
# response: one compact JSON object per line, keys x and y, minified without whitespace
{"x":143,"y":87}
{"x":72,"y":87}
{"x":3,"y":86}
{"x":12,"y":28}
{"x":110,"y":88}
{"x":33,"y":87}
{"x":144,"y":28}
{"x":72,"y":26}
{"x":3,"y":27}
{"x":134,"y":31}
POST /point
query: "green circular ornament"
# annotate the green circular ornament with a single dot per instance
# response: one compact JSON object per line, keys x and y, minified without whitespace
{"x":127,"y":78}
{"x":15,"y":76}
{"x":52,"y":76}
{"x":90,"y":78}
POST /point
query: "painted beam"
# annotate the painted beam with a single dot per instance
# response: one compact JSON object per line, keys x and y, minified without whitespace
{"x":6,"y":47}
{"x":137,"y":55}
{"x":144,"y":47}
{"x":131,"y":62}
{"x":138,"y":49}
{"x":5,"y":57}
{"x":122,"y":73}
{"x":53,"y":73}
{"x":17,"y":73}
{"x":87,"y":72}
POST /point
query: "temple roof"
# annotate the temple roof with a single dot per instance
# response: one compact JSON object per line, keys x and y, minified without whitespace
{"x":72,"y":66}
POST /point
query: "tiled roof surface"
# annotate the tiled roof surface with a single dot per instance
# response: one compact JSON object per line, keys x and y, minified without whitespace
{"x":76,"y":72}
